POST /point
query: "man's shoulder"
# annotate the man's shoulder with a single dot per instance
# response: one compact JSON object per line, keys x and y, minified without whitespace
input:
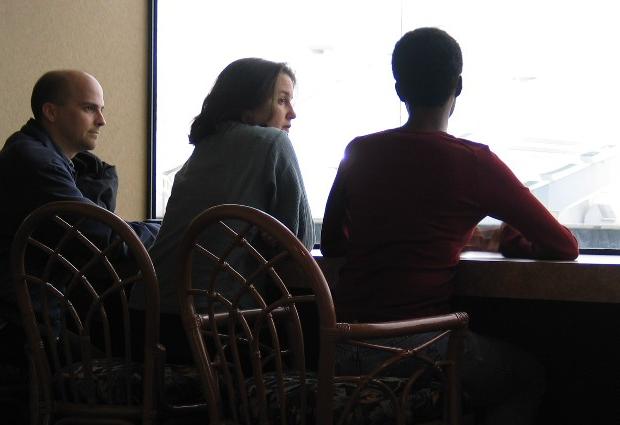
{"x":397,"y":135}
{"x":25,"y":145}
{"x":26,"y":150}
{"x":399,"y":142}
{"x":376,"y":136}
{"x":371,"y":139}
{"x":477,"y":146}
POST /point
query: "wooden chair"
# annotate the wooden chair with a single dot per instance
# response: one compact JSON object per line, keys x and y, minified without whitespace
{"x":14,"y":366}
{"x":240,"y":271}
{"x":73,"y":277}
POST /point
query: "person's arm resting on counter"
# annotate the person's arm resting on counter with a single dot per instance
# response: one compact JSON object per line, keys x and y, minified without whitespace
{"x":532,"y":232}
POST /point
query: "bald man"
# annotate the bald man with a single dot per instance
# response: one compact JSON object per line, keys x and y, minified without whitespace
{"x":45,"y":161}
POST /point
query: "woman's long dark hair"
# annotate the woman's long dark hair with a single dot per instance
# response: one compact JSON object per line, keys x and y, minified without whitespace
{"x":242,"y":86}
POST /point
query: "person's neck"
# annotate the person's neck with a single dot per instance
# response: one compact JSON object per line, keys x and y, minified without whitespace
{"x":59,"y":141}
{"x":429,"y":118}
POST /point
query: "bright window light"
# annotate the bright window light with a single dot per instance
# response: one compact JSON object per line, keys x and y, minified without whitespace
{"x":540,"y":87}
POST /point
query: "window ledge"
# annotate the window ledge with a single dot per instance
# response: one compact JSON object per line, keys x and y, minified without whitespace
{"x":590,"y":278}
{"x":582,"y":259}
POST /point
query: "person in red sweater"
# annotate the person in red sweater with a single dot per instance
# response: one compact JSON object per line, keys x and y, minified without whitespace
{"x":406,"y":201}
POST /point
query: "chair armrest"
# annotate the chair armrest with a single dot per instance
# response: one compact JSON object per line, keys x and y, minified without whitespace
{"x":452,"y":321}
{"x":254,"y":313}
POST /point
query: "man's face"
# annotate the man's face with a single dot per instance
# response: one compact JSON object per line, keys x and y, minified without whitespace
{"x":77,"y":121}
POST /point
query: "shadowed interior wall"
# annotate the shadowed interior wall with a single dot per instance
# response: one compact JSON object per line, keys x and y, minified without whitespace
{"x":107,"y":38}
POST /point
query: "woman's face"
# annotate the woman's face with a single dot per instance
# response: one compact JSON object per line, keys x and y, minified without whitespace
{"x":278,"y":110}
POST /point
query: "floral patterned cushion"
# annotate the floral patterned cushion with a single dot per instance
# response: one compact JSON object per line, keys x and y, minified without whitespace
{"x":374,"y":405}
{"x":115,"y":382}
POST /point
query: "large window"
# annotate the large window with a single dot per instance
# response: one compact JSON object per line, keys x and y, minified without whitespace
{"x":540,"y":87}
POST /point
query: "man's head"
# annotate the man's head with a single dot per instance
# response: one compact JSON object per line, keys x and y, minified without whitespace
{"x":69,"y":105}
{"x":427,"y":65}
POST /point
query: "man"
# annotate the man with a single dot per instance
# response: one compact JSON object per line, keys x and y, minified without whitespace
{"x":47,"y":160}
{"x":406,"y":201}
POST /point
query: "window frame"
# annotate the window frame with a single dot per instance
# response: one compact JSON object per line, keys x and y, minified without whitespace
{"x":152,"y":136}
{"x":151,"y":110}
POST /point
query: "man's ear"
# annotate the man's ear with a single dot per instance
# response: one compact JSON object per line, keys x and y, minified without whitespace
{"x":399,"y":89}
{"x":459,"y":86}
{"x":49,"y":111}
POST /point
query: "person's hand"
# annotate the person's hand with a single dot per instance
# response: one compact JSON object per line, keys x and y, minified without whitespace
{"x":486,"y":240}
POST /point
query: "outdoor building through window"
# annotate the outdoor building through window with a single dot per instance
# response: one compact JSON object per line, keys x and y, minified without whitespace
{"x":540,"y":87}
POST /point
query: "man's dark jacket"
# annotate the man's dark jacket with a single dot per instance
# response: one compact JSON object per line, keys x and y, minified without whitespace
{"x":33,"y":172}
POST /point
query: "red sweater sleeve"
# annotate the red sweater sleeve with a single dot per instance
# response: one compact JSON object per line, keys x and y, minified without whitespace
{"x":533,"y":231}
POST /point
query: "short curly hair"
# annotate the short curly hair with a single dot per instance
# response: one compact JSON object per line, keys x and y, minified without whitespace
{"x":426,"y":64}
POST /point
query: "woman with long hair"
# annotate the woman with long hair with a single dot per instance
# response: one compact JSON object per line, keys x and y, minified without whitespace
{"x":242,"y":155}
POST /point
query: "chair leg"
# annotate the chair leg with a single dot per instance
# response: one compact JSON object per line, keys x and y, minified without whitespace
{"x":33,"y":395}
{"x":39,"y":411}
{"x":453,"y":411}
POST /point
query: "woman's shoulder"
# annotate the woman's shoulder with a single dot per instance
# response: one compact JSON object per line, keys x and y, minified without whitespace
{"x":262,"y":138}
{"x":255,"y":131}
{"x":241,"y":139}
